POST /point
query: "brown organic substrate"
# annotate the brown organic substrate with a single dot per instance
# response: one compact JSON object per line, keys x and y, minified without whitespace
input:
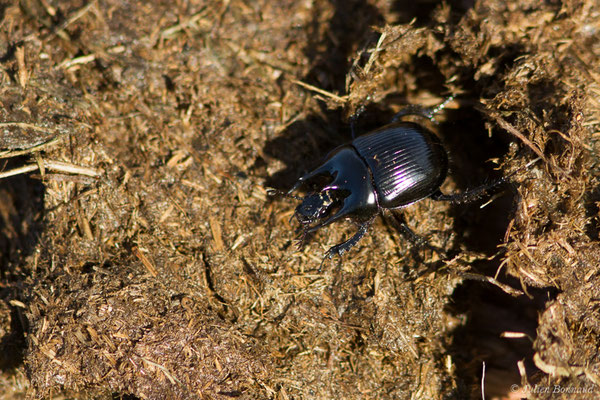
{"x":142,"y":258}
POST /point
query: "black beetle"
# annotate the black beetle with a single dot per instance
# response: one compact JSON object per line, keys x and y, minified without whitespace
{"x":388,"y":168}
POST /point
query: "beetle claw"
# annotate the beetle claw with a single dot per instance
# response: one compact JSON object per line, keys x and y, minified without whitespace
{"x":341,"y":248}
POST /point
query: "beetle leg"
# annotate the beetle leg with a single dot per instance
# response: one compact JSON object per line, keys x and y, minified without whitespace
{"x":412,"y":110}
{"x":413,"y":237}
{"x":354,"y":118}
{"x":406,"y":231}
{"x":428,"y":113}
{"x":341,"y":248}
{"x":440,"y":107}
{"x":469,"y":194}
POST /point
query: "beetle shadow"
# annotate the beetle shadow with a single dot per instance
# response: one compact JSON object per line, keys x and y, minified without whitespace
{"x":303,"y":145}
{"x":479,"y":225}
{"x":306,"y":142}
{"x":21,"y":215}
{"x":21,"y":224}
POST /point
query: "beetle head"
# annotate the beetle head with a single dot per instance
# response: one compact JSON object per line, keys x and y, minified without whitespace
{"x":318,"y":208}
{"x":314,"y":206}
{"x":340,"y":187}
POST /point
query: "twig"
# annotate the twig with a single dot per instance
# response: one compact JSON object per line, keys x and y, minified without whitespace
{"x":165,"y":371}
{"x":71,"y":168}
{"x":20,"y":170}
{"x":505,"y":288}
{"x":37,"y":147}
{"x":57,"y":177}
{"x":375,"y":52}
{"x":23,"y":125}
{"x":88,"y":58}
{"x":59,"y":30}
{"x":516,"y":335}
{"x":514,"y":131}
{"x":187,"y":23}
{"x":341,"y":99}
{"x":147,"y":263}
{"x":483,"y":382}
{"x":54,"y":166}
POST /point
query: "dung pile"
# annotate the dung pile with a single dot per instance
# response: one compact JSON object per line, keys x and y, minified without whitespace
{"x":140,"y":255}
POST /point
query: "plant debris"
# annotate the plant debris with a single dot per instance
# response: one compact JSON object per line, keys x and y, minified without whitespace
{"x":141,"y":257}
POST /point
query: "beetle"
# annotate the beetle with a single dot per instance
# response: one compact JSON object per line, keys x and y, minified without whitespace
{"x":386,"y":169}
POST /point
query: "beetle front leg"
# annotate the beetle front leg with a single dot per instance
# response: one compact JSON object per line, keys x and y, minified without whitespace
{"x":341,"y":248}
